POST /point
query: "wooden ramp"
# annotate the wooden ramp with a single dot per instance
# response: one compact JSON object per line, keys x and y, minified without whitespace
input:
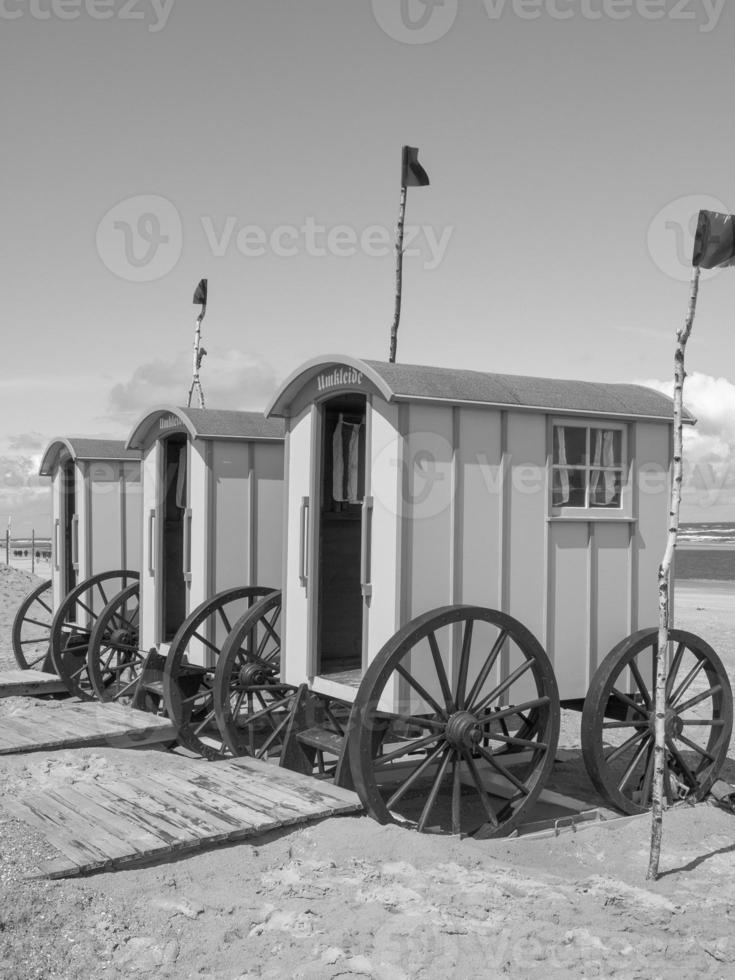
{"x":144,"y":817}
{"x":40,"y":725}
{"x":18,"y":683}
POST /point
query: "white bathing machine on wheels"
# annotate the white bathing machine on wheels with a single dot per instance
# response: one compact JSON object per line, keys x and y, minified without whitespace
{"x":95,"y":547}
{"x":463,"y":551}
{"x":212,"y":506}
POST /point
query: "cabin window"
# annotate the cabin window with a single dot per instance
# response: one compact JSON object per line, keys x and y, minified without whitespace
{"x":588,"y":467}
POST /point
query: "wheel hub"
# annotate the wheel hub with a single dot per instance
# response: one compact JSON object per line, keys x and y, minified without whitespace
{"x":252,"y":675}
{"x":673,"y":725}
{"x":121,"y":637}
{"x":463,"y":730}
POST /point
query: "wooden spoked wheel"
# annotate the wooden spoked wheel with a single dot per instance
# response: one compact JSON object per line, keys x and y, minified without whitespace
{"x":32,"y":630}
{"x":455,"y":724}
{"x":188,"y":676}
{"x":73,"y":624}
{"x":618,"y":721}
{"x":251,"y":705}
{"x":114,"y":661}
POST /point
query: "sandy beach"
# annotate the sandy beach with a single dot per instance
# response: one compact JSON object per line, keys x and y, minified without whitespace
{"x":349,"y":898}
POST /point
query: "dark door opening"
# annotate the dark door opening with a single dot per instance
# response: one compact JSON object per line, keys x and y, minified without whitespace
{"x":342,"y":491}
{"x":173,"y":587}
{"x":69,"y":497}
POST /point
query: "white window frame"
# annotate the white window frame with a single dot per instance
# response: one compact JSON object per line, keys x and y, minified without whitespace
{"x":588,"y":511}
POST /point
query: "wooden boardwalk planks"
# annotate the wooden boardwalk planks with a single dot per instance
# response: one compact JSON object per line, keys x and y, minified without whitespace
{"x":99,"y":825}
{"x":22,"y":683}
{"x":41,"y":725}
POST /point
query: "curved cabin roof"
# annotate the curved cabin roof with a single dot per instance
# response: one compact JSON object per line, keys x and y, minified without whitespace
{"x":418,"y":383}
{"x":208,"y":423}
{"x":93,"y":450}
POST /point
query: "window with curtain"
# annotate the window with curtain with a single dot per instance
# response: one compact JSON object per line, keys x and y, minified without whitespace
{"x":588,"y":467}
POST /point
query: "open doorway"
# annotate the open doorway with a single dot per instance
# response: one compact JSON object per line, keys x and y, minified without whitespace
{"x":173,"y":587}
{"x":340,"y":603}
{"x":69,"y":504}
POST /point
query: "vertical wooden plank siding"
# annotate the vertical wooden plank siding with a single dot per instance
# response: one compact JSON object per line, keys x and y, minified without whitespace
{"x":267,"y":514}
{"x":231,"y":471}
{"x":105,"y":531}
{"x":480,"y":502}
{"x":386,"y":460}
{"x":295,"y":614}
{"x":133,"y":515}
{"x":612,"y":609}
{"x":504,"y":517}
{"x":84,"y":524}
{"x":569,"y":573}
{"x":149,"y":580}
{"x":196,"y":497}
{"x":58,"y":554}
{"x":527,"y":517}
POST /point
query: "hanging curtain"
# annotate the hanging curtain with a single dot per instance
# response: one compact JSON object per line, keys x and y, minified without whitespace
{"x":603,"y":455}
{"x":338,"y":464}
{"x":346,"y":462}
{"x":181,"y":479}
{"x":563,"y":473}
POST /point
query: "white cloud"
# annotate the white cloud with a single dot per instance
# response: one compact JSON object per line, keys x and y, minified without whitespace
{"x":709,"y":447}
{"x":230,"y":379}
{"x":24,"y":495}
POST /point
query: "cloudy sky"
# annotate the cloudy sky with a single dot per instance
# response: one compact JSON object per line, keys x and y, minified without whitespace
{"x":148,"y":143}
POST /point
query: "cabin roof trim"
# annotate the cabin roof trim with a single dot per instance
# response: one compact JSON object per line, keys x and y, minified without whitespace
{"x":83,"y":449}
{"x":437,"y":385}
{"x":210,"y":423}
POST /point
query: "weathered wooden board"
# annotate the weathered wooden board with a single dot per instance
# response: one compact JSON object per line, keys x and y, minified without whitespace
{"x":99,"y":825}
{"x":22,"y":683}
{"x":42,"y":725}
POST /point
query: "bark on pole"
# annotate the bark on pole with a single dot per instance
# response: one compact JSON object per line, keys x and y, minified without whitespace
{"x":662,"y":658}
{"x":399,"y":278}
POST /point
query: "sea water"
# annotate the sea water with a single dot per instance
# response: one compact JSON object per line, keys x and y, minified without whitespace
{"x":706,"y":551}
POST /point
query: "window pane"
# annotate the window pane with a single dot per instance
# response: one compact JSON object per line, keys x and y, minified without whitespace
{"x":570,"y":445}
{"x":606,"y":446}
{"x":605,"y":488}
{"x":568,"y":488}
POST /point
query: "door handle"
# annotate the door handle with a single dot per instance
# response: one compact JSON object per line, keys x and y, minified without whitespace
{"x":365,"y":545}
{"x":304,"y":542}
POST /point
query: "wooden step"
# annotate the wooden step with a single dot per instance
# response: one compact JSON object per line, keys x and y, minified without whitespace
{"x":322,"y":739}
{"x":155,"y":686}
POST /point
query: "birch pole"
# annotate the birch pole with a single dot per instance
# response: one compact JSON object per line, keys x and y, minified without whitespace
{"x":662,"y":653}
{"x":200,"y":296}
{"x":399,"y":278}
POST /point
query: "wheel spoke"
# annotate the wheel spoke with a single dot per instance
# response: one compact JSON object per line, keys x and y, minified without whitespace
{"x":638,"y":708}
{"x":515,"y":710}
{"x":633,"y":764}
{"x":414,"y":776}
{"x":641,"y":683}
{"x":441,"y":673}
{"x":456,"y":794}
{"x":274,"y":735}
{"x":616,"y":753}
{"x":384,"y":760}
{"x":502,"y":770}
{"x":696,"y":748}
{"x":204,"y":722}
{"x":464,"y":663}
{"x":525,"y":743}
{"x":38,"y":622}
{"x":710,"y":692}
{"x":225,"y":620}
{"x":481,"y":791}
{"x":506,"y":684}
{"x":681,"y":763}
{"x":486,"y":668}
{"x":434,"y":792}
{"x":648,"y":777}
{"x":420,"y":690}
{"x":686,"y":683}
{"x":674,"y":668}
{"x":708,"y":722}
{"x":207,"y":643}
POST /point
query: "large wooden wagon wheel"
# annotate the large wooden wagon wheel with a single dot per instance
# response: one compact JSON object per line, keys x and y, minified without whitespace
{"x":468,"y":741}
{"x":187,"y":683}
{"x":618,"y":721}
{"x":32,"y":630}
{"x":73,"y":624}
{"x":114,"y":661}
{"x":251,"y":705}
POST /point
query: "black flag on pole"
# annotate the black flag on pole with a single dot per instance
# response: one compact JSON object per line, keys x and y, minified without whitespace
{"x":714,"y":245}
{"x":413,"y":174}
{"x":200,"y":294}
